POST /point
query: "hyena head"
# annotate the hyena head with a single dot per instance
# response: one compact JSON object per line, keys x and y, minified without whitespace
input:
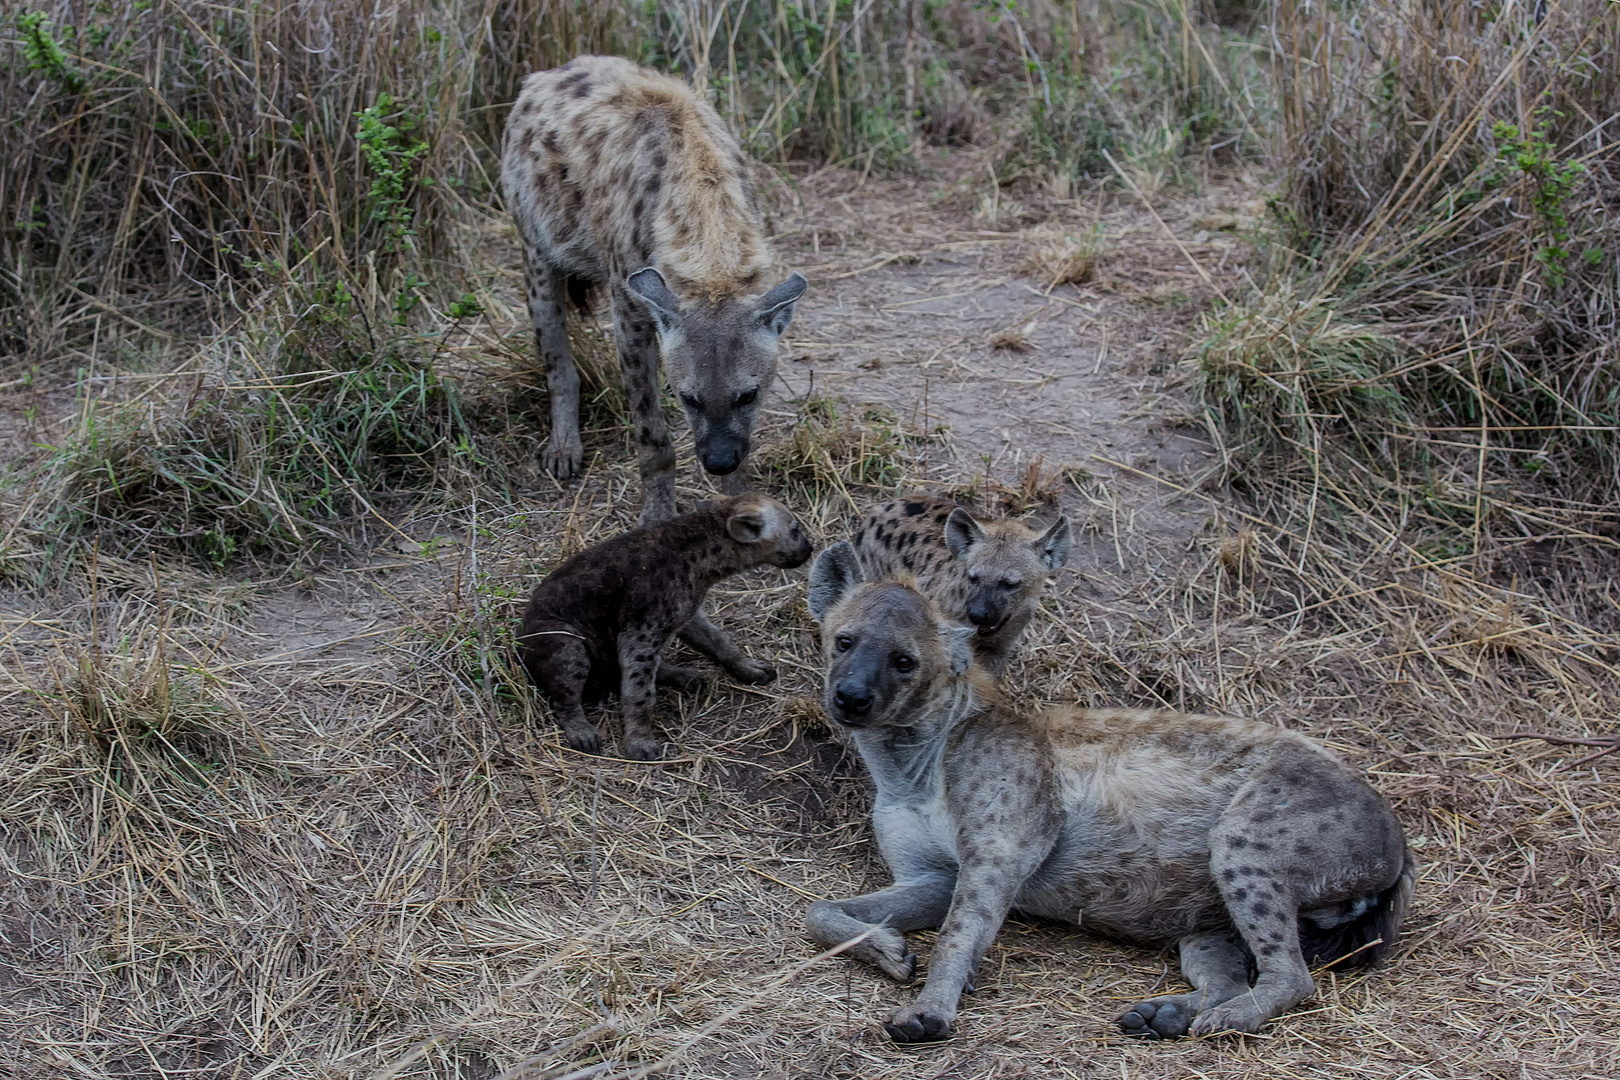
{"x":1007,"y":564}
{"x":891,"y":658}
{"x":720,"y":359}
{"x":767,"y":531}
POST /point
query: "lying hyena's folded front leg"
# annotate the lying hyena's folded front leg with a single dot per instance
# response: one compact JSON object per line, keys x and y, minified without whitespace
{"x":885,"y":917}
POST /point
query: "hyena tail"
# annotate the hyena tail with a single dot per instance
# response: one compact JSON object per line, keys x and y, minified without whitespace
{"x":1364,"y":937}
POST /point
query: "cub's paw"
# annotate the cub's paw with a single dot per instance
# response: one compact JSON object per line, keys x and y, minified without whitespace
{"x":643,"y":748}
{"x":683,"y":680}
{"x":563,"y":455}
{"x":584,"y":738}
{"x":1238,"y":1016}
{"x":917,"y":1024}
{"x":1163,"y":1018}
{"x":752,"y":672}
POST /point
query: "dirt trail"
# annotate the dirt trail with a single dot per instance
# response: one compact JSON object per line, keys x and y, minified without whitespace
{"x":905,"y":314}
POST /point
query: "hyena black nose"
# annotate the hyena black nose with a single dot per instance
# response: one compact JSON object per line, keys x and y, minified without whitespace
{"x":981,"y":615}
{"x":852,"y":701}
{"x":722,"y":456}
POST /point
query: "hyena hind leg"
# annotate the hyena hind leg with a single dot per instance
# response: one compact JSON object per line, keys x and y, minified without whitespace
{"x":1217,"y":966}
{"x":548,"y":313}
{"x":559,"y":664}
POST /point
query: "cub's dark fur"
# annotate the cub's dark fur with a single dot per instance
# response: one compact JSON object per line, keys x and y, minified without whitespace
{"x":600,"y":621}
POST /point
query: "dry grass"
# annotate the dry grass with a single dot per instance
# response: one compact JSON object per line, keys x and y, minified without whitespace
{"x":371,"y":858}
{"x":302,"y":819}
{"x":1055,"y":257}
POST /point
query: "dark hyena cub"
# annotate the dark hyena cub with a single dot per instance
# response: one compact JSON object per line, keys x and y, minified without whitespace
{"x":623,"y":177}
{"x":1250,"y":846}
{"x":600,"y":621}
{"x":988,"y":573}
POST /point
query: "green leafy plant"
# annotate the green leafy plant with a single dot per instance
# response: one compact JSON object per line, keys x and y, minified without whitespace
{"x":391,"y":154}
{"x":44,"y":53}
{"x":1532,"y":156}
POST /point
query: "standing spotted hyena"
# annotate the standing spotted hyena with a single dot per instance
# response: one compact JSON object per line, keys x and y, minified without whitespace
{"x":988,"y":573}
{"x":1251,"y":847}
{"x":624,"y":178}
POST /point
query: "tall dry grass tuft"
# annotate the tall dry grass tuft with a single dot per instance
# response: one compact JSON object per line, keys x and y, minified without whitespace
{"x":1446,"y":287}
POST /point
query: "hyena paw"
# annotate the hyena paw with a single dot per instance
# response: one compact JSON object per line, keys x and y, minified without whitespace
{"x":643,"y":748}
{"x":918,"y":1023}
{"x":886,"y":949}
{"x":584,"y":738}
{"x":752,"y":672}
{"x":683,"y":680}
{"x":1238,"y":1016}
{"x":563,"y":455}
{"x":1161,"y":1018}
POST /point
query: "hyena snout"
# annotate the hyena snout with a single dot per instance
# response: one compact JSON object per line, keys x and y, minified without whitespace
{"x":722,"y":453}
{"x":988,"y":609}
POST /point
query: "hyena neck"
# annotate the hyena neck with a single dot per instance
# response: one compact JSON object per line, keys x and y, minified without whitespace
{"x":906,"y":763}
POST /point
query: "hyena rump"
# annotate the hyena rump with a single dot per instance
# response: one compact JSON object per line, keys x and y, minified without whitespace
{"x":624,"y":178}
{"x":1250,"y":846}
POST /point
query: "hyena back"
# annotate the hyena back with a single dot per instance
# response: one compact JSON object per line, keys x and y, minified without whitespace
{"x":621,"y":177}
{"x":1250,"y":846}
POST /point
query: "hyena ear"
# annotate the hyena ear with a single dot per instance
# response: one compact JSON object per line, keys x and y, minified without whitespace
{"x":747,"y":526}
{"x":649,"y":285}
{"x":958,"y":641}
{"x":1052,"y":546}
{"x":776,"y":307}
{"x":961,"y":533}
{"x":833,"y":575}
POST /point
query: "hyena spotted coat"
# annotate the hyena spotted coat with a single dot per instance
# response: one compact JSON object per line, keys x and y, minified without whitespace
{"x":1250,"y":846}
{"x":621,"y":177}
{"x":601,"y":620}
{"x":987,"y":573}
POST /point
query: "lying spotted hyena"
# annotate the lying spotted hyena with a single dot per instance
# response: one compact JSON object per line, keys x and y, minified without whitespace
{"x":988,"y":573}
{"x":601,"y":620}
{"x":1248,"y":845}
{"x":623,"y":177}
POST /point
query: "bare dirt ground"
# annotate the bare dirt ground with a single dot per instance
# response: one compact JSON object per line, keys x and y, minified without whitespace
{"x":393,"y":867}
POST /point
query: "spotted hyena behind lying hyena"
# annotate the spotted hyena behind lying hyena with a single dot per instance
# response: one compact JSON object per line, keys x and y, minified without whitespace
{"x":988,"y":573}
{"x":601,"y":620}
{"x":1250,"y":846}
{"x":621,"y":177}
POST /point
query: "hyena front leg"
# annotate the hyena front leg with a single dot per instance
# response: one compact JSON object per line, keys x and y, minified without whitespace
{"x":884,"y":917}
{"x":547,"y":290}
{"x":638,"y":668}
{"x":702,"y":634}
{"x":637,"y":338}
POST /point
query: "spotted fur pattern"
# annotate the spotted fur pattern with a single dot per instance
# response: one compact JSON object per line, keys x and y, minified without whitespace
{"x":621,"y":177}
{"x":1250,"y":846}
{"x":989,"y":574}
{"x":601,"y":620}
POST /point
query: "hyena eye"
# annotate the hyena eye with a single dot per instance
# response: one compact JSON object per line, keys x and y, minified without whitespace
{"x":903,"y":663}
{"x":748,"y":397}
{"x":843,"y":643}
{"x":1011,"y":582}
{"x":691,"y":402}
{"x":973,"y":576}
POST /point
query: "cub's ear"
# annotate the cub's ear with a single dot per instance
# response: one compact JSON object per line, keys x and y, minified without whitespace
{"x":958,"y":641}
{"x":833,"y":577}
{"x":1052,"y":546}
{"x":961,"y":533}
{"x":775,"y":309}
{"x":746,"y":526}
{"x":649,"y":287}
